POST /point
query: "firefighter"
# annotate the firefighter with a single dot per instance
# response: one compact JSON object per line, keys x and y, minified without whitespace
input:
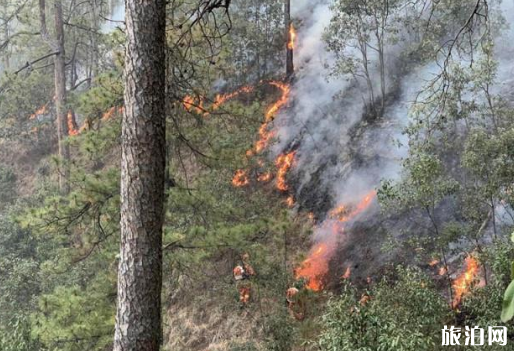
{"x":250,"y":272}
{"x":295,"y":303}
{"x":242,"y":274}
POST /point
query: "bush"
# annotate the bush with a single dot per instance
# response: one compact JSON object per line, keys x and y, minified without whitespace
{"x":279,"y":331}
{"x":7,"y":186}
{"x":405,"y":315}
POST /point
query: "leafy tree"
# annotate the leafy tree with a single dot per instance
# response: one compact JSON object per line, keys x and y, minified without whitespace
{"x":403,"y":315}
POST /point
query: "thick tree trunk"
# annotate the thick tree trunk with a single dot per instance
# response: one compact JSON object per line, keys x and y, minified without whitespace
{"x":60,"y":96}
{"x":138,"y":319}
{"x":289,"y":49}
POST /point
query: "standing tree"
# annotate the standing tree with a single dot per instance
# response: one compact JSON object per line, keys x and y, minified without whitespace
{"x":138,"y":320}
{"x":358,"y":31}
{"x":289,"y":39}
{"x":57,"y":46}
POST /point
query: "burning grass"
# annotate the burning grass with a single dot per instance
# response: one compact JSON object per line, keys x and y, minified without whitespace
{"x":315,"y":268}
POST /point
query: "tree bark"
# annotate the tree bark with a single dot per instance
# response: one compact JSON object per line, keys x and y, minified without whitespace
{"x":289,"y":50}
{"x":60,"y":96}
{"x":57,"y":45}
{"x":138,"y":318}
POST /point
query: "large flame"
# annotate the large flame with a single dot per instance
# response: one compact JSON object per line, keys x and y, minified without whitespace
{"x":316,"y":266}
{"x":292,"y":37}
{"x":284,"y":163}
{"x":265,"y":135}
{"x":463,"y":284}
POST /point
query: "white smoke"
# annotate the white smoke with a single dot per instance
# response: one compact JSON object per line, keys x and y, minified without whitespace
{"x":324,"y":111}
{"x":320,"y":124}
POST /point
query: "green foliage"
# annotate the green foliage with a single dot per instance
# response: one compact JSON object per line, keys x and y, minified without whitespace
{"x":16,"y":337}
{"x":7,"y":186}
{"x":76,"y":318}
{"x":402,"y":315}
{"x":424,"y":184}
{"x":279,"y":331}
{"x":507,"y":312}
{"x":508,"y":303}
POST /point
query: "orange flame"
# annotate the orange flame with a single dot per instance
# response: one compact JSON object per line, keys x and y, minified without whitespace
{"x":40,"y":111}
{"x":284,"y":164}
{"x":264,"y":135}
{"x":108,"y":114}
{"x":292,"y":38}
{"x":464,"y":282}
{"x":72,"y":125}
{"x":338,"y":213}
{"x":286,"y":90}
{"x":191,"y":103}
{"x":343,"y":214}
{"x":290,"y":201}
{"x":222,"y":98}
{"x":240,"y":179}
{"x":265,"y":177}
{"x":347,"y":274}
{"x":433,"y":263}
{"x":316,"y":266}
{"x":112,"y":112}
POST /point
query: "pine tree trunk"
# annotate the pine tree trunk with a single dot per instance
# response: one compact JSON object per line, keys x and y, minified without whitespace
{"x":57,"y":45}
{"x":289,"y":50}
{"x":138,"y":319}
{"x":60,"y":96}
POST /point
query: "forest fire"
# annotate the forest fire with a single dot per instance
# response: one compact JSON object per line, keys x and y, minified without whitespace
{"x":112,"y":112}
{"x":286,"y":90}
{"x":347,"y":274}
{"x":72,"y":124}
{"x":41,"y":111}
{"x":264,"y":134}
{"x":196,"y":104}
{"x":284,"y":163}
{"x":191,"y":103}
{"x":265,"y":177}
{"x":222,"y":98}
{"x":292,"y":38}
{"x":290,"y":201}
{"x":316,"y":266}
{"x":240,"y":179}
{"x":462,"y":285}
